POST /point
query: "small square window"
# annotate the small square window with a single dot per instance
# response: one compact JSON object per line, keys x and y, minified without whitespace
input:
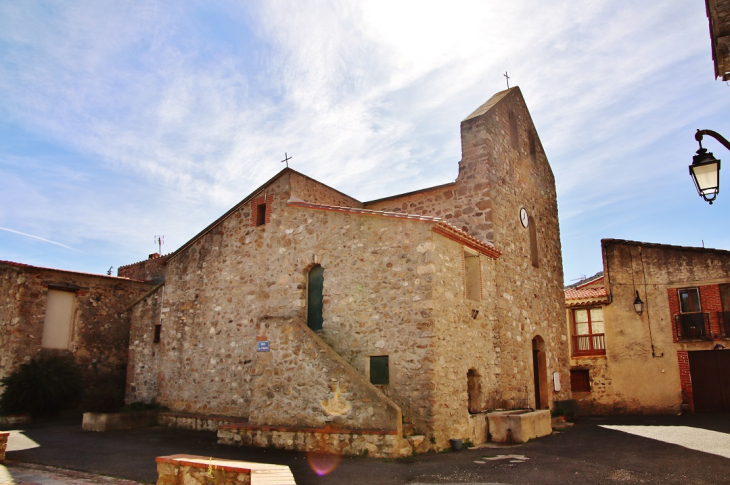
{"x":379,"y":370}
{"x":261,"y":214}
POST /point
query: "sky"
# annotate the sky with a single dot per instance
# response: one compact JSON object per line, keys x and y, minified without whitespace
{"x":122,"y":121}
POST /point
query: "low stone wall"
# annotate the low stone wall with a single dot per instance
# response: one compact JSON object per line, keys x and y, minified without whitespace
{"x":3,"y":445}
{"x":371,"y":443}
{"x":197,"y":422}
{"x":479,"y":426}
{"x":12,"y":420}
{"x":193,"y":470}
{"x":112,"y":421}
{"x":519,"y":426}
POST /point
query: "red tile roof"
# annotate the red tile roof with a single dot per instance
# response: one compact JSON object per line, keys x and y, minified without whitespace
{"x":439,"y":226}
{"x":576,"y":296}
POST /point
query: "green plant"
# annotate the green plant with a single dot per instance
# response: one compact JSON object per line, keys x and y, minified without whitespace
{"x":142,"y":406}
{"x":468,"y":443}
{"x":42,"y":387}
{"x":558,"y":411}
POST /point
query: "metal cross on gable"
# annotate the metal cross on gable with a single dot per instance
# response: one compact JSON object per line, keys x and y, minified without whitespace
{"x":505,"y":75}
{"x":286,"y":159}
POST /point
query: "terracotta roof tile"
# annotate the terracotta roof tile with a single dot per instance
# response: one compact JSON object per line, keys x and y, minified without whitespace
{"x":580,"y":294}
{"x":585,"y":296}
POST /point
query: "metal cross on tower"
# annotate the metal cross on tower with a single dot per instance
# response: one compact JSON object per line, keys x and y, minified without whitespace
{"x":286,"y":159}
{"x":505,"y":75}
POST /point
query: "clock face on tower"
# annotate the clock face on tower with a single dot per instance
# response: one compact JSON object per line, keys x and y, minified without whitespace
{"x":524,"y":219}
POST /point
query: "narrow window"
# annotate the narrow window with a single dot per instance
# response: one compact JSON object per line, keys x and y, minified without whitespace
{"x":58,"y":322}
{"x":533,"y":146}
{"x":379,"y":370}
{"x":513,"y":131}
{"x":472,"y":276}
{"x":533,"y":241}
{"x":580,"y":380}
{"x":315,"y":284}
{"x":156,"y":337}
{"x":474,"y":390}
{"x":261,"y":214}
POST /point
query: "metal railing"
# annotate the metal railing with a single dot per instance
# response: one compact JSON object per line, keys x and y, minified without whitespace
{"x":594,"y":344}
{"x":693,"y":326}
{"x":723,"y":319}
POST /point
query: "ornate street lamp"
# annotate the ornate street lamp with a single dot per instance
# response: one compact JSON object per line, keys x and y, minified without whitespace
{"x":705,"y":168}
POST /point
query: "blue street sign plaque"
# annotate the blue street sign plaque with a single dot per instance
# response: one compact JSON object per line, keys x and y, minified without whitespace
{"x":262,"y":346}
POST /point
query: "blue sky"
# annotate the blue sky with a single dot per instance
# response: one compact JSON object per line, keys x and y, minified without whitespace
{"x":120,"y":121}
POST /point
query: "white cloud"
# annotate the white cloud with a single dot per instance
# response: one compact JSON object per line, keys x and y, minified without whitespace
{"x":194,"y":105}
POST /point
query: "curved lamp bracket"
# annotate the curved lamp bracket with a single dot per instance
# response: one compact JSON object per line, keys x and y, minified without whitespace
{"x":713,"y":134}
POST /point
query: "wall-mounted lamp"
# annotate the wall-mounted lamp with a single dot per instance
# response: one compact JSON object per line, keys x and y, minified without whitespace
{"x":638,"y":304}
{"x":705,"y":168}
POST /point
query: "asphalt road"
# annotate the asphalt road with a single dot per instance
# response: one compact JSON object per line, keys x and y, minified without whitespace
{"x":625,"y":449}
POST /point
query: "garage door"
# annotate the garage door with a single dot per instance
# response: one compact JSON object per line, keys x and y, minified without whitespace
{"x":710,"y":373}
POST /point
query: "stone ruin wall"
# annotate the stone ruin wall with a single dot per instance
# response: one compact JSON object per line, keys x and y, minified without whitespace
{"x":100,"y":327}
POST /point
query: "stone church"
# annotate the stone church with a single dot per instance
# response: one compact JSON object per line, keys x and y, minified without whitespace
{"x":305,"y":311}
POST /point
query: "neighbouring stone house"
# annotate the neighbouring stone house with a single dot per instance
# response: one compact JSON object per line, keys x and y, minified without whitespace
{"x":85,"y":315}
{"x":302,"y":309}
{"x":669,"y":357}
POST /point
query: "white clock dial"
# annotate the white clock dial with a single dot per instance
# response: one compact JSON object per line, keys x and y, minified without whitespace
{"x":524,"y":219}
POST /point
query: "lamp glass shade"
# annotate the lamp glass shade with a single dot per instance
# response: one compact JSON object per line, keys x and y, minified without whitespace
{"x":639,"y":306}
{"x":705,"y":172}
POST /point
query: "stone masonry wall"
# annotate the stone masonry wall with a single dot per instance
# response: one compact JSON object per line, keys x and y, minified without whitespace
{"x":500,"y":173}
{"x":462,"y":343}
{"x":235,"y":275}
{"x":100,"y":327}
{"x":143,"y":351}
{"x":504,"y":163}
{"x":301,"y":381}
{"x":152,"y":269}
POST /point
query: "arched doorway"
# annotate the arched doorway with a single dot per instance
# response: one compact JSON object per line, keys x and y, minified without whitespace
{"x":315,"y":285}
{"x":539,"y":372}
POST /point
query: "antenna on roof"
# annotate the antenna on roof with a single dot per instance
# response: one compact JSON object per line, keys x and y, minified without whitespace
{"x":580,"y":278}
{"x":109,"y":271}
{"x":286,"y":159}
{"x":159,"y":240}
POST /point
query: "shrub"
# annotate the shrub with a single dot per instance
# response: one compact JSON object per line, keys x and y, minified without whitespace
{"x":42,"y":387}
{"x":103,"y":392}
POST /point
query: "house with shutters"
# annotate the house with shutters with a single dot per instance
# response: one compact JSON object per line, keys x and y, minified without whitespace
{"x":380,"y":327}
{"x":648,"y":334}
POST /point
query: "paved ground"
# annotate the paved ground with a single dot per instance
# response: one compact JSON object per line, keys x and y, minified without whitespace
{"x":666,"y":449}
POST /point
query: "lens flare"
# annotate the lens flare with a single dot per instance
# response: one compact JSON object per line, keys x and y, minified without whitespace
{"x":323,"y":463}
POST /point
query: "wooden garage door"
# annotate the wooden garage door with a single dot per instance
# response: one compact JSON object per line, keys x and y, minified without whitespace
{"x":710,"y":372}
